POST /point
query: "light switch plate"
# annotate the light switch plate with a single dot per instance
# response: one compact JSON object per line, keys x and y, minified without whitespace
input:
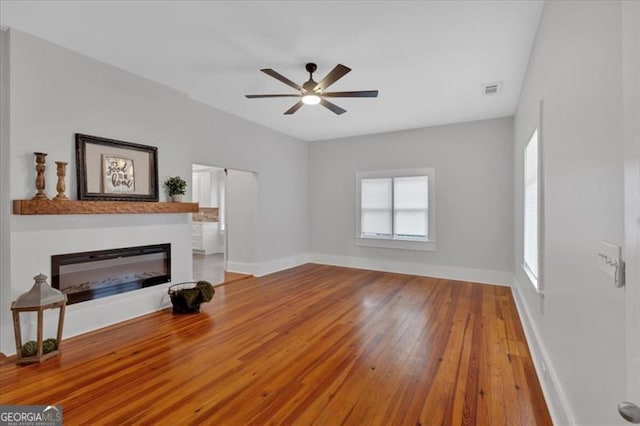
{"x":609,"y":258}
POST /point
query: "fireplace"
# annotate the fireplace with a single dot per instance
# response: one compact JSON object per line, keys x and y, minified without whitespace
{"x":95,"y":274}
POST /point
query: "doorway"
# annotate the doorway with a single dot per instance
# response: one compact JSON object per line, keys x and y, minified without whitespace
{"x":208,"y":225}
{"x":227,"y":198}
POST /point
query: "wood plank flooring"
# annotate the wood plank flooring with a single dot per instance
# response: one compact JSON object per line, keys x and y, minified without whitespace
{"x":230,"y":277}
{"x":310,"y":345}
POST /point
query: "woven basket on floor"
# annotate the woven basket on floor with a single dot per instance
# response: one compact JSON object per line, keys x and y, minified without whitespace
{"x":186,"y":297}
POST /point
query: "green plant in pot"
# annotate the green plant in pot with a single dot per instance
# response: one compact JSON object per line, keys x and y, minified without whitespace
{"x":176,"y":187}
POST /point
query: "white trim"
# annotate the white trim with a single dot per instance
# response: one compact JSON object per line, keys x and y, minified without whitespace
{"x":271,"y":266}
{"x":554,"y":394}
{"x":437,"y":271}
{"x":241,"y":267}
{"x":534,"y":278}
{"x":396,"y":243}
{"x":631,"y":144}
{"x":531,"y":278}
{"x":541,"y":204}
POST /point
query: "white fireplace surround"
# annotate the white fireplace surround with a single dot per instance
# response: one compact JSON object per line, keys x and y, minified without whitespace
{"x":32,"y":250}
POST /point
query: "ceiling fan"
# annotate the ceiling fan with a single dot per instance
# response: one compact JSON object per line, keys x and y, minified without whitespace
{"x":312,"y":92}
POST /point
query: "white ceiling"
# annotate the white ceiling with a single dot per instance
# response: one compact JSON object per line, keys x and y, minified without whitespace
{"x":428,"y":59}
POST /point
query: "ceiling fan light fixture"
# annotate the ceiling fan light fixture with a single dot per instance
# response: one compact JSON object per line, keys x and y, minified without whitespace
{"x":314,"y":93}
{"x":311,"y":99}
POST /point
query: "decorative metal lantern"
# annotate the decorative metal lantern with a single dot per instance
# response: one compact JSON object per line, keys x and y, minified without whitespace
{"x":40,"y":298}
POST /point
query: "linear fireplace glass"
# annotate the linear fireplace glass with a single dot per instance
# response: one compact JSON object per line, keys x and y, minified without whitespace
{"x":95,"y":274}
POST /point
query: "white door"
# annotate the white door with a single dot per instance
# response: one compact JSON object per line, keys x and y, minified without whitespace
{"x":631,"y":133}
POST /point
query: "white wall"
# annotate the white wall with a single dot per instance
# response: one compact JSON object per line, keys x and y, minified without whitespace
{"x":55,"y":93}
{"x":241,"y":199}
{"x":579,"y":322}
{"x":474,"y":198}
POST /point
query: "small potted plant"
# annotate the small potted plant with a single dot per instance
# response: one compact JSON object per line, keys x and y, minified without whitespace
{"x":176,"y":186}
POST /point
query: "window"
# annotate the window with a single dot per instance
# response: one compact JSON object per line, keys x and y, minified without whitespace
{"x":376,"y":207}
{"x":531,"y":211}
{"x":395,"y":209}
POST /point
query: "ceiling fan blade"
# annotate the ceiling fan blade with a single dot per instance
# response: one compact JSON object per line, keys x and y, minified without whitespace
{"x":333,"y":107}
{"x":271,"y":96}
{"x":355,"y":94}
{"x":294,"y":108}
{"x":281,"y":78}
{"x":334,"y":75}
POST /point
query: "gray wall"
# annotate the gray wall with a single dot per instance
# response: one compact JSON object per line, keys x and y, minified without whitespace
{"x":280,"y":163}
{"x":474,"y":198}
{"x":575,"y":68}
{"x":241,"y":200}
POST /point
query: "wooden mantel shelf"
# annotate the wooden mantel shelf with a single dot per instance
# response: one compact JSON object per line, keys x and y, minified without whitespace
{"x":32,"y":207}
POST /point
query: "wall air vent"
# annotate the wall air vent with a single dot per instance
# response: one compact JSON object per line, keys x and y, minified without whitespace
{"x":491,"y":89}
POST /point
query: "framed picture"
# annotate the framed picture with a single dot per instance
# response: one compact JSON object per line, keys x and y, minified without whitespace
{"x":114,"y":170}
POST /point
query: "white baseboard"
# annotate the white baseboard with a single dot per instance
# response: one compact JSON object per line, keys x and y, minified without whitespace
{"x":271,"y":266}
{"x":421,"y":269}
{"x":241,"y":267}
{"x":554,"y":394}
{"x":268,"y":267}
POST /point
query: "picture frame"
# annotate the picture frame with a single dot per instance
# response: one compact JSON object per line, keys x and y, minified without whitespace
{"x":112,"y":170}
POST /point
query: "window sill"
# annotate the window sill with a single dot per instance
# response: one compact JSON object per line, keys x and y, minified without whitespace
{"x":535,"y":282}
{"x":419,"y":245}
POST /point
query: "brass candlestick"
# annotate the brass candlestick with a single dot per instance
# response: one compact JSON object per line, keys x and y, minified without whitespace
{"x":60,"y":187}
{"x":40,"y":159}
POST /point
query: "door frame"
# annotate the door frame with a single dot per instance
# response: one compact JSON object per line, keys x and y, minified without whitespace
{"x":630,"y":17}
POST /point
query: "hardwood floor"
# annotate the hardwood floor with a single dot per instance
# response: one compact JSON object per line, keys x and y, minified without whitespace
{"x":310,"y":345}
{"x":230,"y":277}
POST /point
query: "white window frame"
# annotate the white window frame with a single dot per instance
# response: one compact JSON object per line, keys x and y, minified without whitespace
{"x":535,"y":280}
{"x":428,"y":244}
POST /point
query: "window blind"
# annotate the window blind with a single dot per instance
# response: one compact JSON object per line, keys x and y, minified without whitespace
{"x":410,"y":202}
{"x":376,"y":207}
{"x":531,"y":211}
